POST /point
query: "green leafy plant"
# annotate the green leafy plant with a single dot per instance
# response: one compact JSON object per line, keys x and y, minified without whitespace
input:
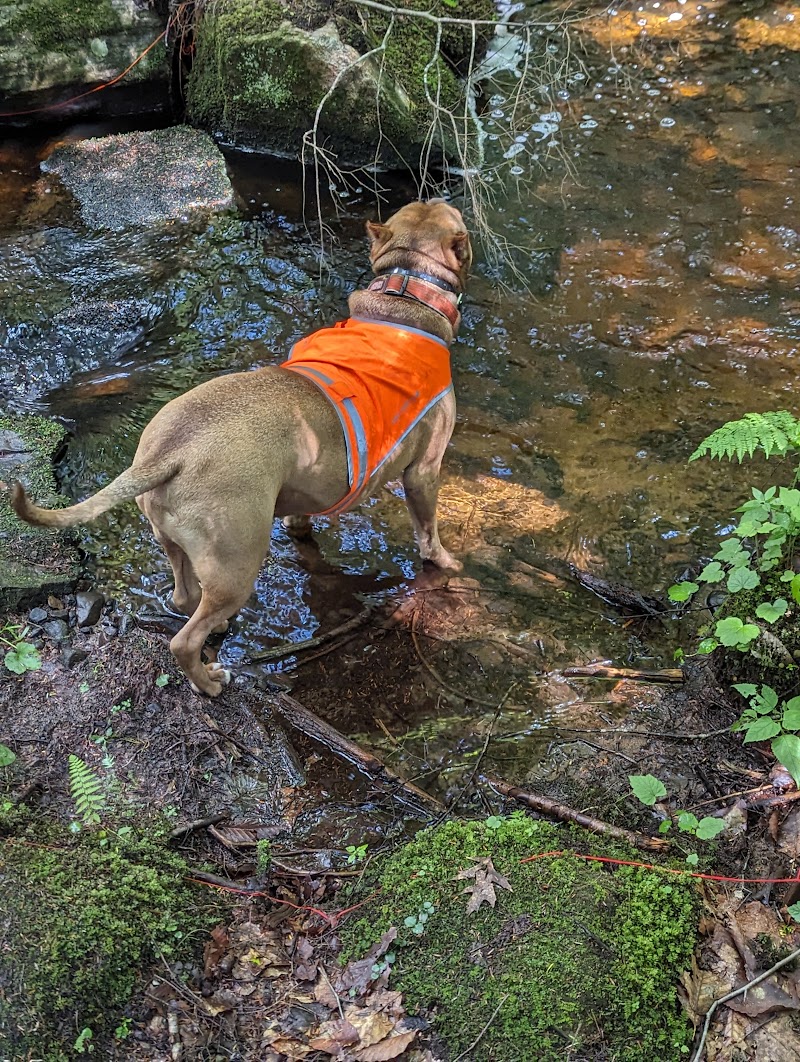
{"x":263,"y":856}
{"x":83,"y":1044}
{"x":7,"y":757}
{"x":650,"y":790}
{"x":416,"y":922}
{"x":21,"y":656}
{"x":162,"y":681}
{"x":768,"y":718}
{"x":86,"y":791}
{"x":773,"y":433}
{"x":356,"y":853}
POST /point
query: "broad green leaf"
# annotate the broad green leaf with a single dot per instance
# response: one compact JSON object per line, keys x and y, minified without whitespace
{"x":787,"y":577}
{"x":709,"y":827}
{"x":732,"y":632}
{"x":7,"y":757}
{"x":729,"y":549}
{"x":647,"y":788}
{"x":708,"y":645}
{"x":794,"y":911}
{"x":687,"y":822}
{"x":23,"y":657}
{"x":712,"y":573}
{"x":791,"y":715}
{"x":794,"y":587}
{"x":682,"y":591}
{"x":747,"y":689}
{"x":787,"y":750}
{"x":762,"y":729}
{"x":772,"y":612}
{"x":162,"y":680}
{"x":743,"y":578}
{"x":692,"y":859}
{"x":768,"y":697}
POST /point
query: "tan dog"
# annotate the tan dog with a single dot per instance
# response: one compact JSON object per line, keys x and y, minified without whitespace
{"x":215,"y":465}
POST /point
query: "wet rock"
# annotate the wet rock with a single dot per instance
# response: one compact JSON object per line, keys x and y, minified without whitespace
{"x":257,"y":82}
{"x":143,"y":178}
{"x":50,"y":49}
{"x":38,"y":615}
{"x":89,"y":605}
{"x":33,"y":560}
{"x":56,"y":630}
{"x":72,"y":655}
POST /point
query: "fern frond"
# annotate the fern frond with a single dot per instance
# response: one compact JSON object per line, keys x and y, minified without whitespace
{"x":775,"y":432}
{"x":86,"y":791}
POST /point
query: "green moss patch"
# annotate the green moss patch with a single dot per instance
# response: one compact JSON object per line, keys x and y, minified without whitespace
{"x":578,"y":960}
{"x":82,"y":919}
{"x":50,"y":24}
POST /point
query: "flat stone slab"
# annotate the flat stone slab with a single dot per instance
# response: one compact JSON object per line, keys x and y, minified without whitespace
{"x":140,"y":179}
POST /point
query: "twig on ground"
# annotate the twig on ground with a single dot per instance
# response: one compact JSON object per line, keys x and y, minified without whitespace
{"x":737,"y":992}
{"x":199,"y":824}
{"x":298,"y":716}
{"x":289,"y":648}
{"x":566,"y":814}
{"x":665,"y":674}
{"x":483,"y":1031}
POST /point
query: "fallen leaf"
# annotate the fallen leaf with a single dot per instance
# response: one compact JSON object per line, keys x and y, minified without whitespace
{"x":763,"y":998}
{"x":215,"y":949}
{"x":290,"y":1049}
{"x":789,"y":834}
{"x":305,"y":965}
{"x":392,"y":1047}
{"x":372,"y":1026}
{"x":486,"y":877}
{"x":324,"y":993}
{"x":332,"y":1036}
{"x":221,"y":1002}
{"x":357,"y":975}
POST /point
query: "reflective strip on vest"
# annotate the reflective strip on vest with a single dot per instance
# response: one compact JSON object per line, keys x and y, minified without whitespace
{"x":381,"y":379}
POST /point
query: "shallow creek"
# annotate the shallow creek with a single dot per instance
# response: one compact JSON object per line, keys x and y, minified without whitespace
{"x":660,"y":244}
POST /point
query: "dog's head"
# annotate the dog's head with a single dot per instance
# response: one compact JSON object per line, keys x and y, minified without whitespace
{"x":421,"y":235}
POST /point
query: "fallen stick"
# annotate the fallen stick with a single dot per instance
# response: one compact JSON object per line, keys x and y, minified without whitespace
{"x":665,"y":674}
{"x":560,"y":811}
{"x":289,"y":648}
{"x":199,"y":824}
{"x":298,"y":716}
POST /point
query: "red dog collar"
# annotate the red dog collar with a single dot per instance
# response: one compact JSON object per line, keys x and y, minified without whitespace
{"x":429,"y":294}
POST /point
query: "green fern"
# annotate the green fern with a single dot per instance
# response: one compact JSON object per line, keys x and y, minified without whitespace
{"x":774,"y":433}
{"x":86,"y":791}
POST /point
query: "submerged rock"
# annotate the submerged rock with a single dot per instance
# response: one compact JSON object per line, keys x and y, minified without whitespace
{"x":33,"y":560}
{"x":143,"y":178}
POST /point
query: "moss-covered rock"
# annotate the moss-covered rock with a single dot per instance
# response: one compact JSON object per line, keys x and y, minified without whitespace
{"x":262,"y":68}
{"x":33,"y":560}
{"x":47,"y":45}
{"x":81,"y":920}
{"x":577,"y":959}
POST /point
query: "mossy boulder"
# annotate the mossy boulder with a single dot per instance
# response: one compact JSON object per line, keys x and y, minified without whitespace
{"x":47,"y":46}
{"x":577,"y":959}
{"x":33,"y":560}
{"x":82,"y":920}
{"x":263,"y":67}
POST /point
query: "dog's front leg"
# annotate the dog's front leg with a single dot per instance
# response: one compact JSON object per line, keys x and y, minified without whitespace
{"x":421,"y":485}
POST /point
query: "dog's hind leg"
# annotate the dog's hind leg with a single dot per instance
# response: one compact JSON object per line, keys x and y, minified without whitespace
{"x":226,"y":572}
{"x":186,"y":594}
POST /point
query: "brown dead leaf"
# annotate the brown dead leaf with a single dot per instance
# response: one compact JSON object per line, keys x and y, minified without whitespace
{"x":357,"y":975}
{"x":324,"y":993}
{"x":763,"y":998}
{"x":372,"y":1026}
{"x":221,"y":1002}
{"x":305,"y":965}
{"x":789,"y":834}
{"x":245,"y":834}
{"x":215,"y":949}
{"x":392,"y":1047}
{"x":334,"y":1035}
{"x":290,"y":1049}
{"x":486,"y":877}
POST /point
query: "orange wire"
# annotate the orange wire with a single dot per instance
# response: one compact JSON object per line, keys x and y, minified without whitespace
{"x":90,"y":92}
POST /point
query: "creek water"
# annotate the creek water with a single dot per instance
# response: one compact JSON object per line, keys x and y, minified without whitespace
{"x":652,"y":216}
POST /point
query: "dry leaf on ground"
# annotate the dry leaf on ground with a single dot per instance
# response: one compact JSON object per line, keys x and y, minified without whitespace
{"x":483,"y":891}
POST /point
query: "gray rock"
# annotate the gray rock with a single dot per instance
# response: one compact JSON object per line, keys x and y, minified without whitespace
{"x":37,"y":615}
{"x":89,"y":605}
{"x":56,"y":630}
{"x":71,"y":655}
{"x":142,"y":179}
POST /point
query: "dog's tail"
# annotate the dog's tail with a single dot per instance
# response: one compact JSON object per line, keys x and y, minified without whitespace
{"x":129,"y":484}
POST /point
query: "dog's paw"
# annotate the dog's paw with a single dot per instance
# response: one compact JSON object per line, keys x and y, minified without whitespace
{"x":218,"y":676}
{"x":446,"y":561}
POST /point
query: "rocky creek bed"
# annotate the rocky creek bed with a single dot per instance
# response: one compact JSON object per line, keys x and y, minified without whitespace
{"x":328,"y":860}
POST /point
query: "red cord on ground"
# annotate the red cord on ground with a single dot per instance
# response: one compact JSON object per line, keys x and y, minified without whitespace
{"x":90,"y":92}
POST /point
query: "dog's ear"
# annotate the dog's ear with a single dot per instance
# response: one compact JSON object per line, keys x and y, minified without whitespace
{"x":462,"y":249}
{"x":378,"y":235}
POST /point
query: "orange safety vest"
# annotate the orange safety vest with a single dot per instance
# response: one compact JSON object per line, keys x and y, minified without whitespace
{"x":381,"y":379}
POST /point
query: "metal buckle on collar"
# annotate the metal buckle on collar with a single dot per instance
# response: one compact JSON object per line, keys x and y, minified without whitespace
{"x":418,"y":275}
